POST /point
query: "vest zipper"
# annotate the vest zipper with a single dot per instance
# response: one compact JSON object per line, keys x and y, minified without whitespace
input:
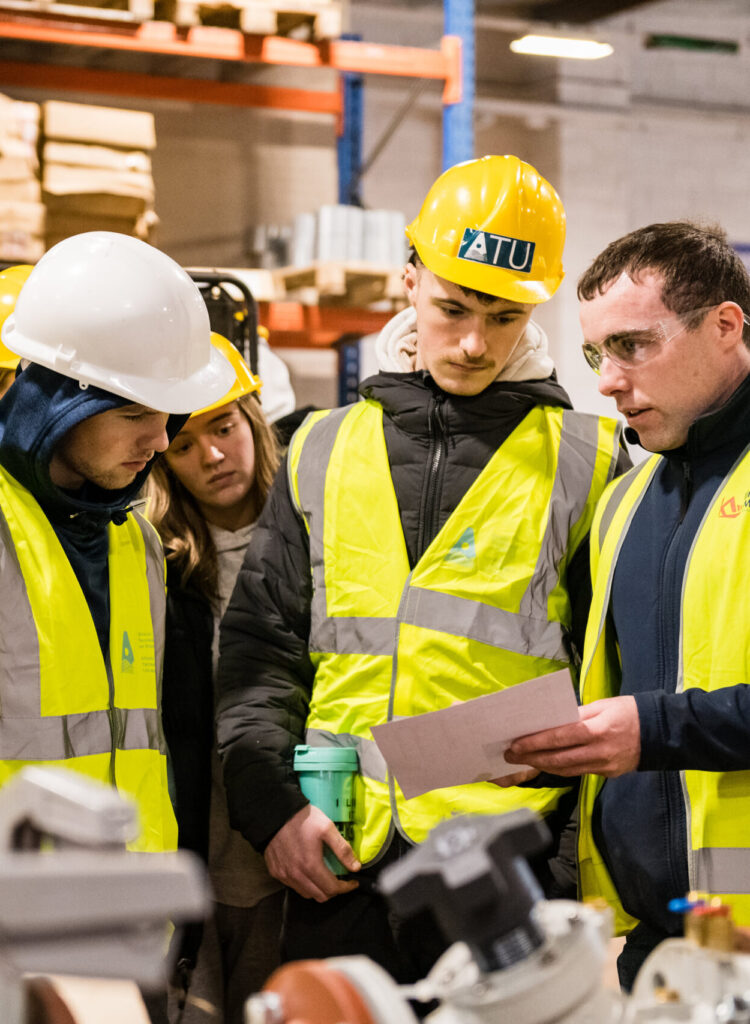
{"x":429,"y":506}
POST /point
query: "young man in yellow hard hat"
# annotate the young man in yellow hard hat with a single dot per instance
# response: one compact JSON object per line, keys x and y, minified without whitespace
{"x":425,"y":546}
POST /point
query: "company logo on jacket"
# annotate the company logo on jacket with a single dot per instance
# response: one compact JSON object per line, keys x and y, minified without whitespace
{"x":463,"y":553}
{"x":730,"y":508}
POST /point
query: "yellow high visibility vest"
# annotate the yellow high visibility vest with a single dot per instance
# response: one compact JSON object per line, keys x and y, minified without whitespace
{"x":60,"y":704}
{"x":714,"y":653}
{"x":484,"y":608}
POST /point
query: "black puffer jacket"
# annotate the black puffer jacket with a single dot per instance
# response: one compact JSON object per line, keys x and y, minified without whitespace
{"x":265,"y":672}
{"x":188,"y":708}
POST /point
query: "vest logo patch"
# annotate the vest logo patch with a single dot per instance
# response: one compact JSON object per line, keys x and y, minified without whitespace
{"x":730,"y":508}
{"x":463,"y":553}
{"x":128,"y":657}
{"x":496,"y":250}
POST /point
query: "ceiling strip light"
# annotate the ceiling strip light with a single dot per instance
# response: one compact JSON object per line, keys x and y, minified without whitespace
{"x":560,"y":46}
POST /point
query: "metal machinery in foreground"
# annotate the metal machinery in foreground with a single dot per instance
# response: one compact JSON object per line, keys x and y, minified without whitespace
{"x":72,"y":899}
{"x":517,"y":959}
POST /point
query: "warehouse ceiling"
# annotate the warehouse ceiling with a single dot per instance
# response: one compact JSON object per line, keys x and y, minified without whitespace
{"x":569,"y":11}
{"x":513,"y":76}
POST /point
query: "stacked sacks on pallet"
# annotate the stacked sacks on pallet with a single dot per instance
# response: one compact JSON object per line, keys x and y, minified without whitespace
{"x":21,"y":209}
{"x":96,"y":170}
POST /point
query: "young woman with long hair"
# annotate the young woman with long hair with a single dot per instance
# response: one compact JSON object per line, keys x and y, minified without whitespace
{"x":205,"y":494}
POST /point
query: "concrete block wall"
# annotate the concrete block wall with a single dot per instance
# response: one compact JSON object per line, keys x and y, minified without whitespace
{"x":651,"y":159}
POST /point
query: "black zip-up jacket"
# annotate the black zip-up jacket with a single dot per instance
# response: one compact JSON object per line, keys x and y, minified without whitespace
{"x":437,"y":445}
{"x":639,"y":820}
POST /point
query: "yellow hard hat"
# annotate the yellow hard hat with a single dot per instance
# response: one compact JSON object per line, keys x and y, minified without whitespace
{"x":12,"y":281}
{"x":495,"y":225}
{"x":245,"y":382}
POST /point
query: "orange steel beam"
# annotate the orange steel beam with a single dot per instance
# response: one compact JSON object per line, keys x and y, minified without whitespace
{"x":292,"y":324}
{"x":195,"y":90}
{"x":229,"y":44}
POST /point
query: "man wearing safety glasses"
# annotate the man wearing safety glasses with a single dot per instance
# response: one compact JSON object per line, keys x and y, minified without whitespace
{"x":663,"y":740}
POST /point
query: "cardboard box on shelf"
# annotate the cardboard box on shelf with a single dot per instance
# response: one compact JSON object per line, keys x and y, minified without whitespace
{"x":108,"y":126}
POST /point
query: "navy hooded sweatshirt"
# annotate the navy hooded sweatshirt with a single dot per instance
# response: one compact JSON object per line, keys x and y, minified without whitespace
{"x":35,"y":414}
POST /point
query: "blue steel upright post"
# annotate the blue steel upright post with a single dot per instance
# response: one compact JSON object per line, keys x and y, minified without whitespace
{"x":349,"y":143}
{"x":349,"y":150}
{"x":458,"y":118}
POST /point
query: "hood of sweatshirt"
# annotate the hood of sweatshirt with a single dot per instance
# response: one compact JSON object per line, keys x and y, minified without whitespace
{"x":35,"y":414}
{"x":396,"y":350}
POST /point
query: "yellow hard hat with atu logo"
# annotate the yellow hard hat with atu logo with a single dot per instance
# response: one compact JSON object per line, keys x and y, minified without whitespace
{"x":495,"y":225}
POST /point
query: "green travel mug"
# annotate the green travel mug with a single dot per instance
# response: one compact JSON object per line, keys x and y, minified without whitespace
{"x":326,"y":777}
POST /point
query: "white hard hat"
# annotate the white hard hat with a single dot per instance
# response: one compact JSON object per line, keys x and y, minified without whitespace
{"x":110,"y":310}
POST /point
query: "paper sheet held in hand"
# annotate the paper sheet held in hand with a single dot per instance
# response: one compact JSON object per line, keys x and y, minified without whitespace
{"x":466,"y":742}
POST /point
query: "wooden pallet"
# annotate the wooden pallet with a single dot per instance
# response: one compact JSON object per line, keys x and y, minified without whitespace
{"x":345,"y":284}
{"x":300,"y":19}
{"x":99,"y":10}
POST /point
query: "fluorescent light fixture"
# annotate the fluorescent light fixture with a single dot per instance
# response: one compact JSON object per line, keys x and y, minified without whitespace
{"x":560,"y":46}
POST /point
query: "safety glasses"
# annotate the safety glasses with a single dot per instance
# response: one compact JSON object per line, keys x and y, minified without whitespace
{"x":633,"y":348}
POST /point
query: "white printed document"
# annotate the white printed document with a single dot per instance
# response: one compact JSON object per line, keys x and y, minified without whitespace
{"x":467,"y":742}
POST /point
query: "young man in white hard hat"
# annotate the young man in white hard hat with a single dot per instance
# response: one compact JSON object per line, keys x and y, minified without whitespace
{"x":118,"y":345}
{"x":663,"y":740}
{"x":421,"y":549}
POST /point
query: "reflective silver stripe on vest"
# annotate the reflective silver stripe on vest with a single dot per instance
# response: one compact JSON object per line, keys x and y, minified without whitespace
{"x":324,"y":632}
{"x":371,"y":763}
{"x":57,"y":738}
{"x":526,"y":632}
{"x":618,"y":493}
{"x":485,"y":623}
{"x":620,"y":490}
{"x":721,"y":870}
{"x":19,"y":683}
{"x":25,"y":734}
{"x":575,"y":472}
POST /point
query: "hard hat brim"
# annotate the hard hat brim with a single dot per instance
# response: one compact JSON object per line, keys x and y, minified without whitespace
{"x":489,"y":280}
{"x":178,"y":395}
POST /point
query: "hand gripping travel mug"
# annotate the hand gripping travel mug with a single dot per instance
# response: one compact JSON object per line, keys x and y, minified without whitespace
{"x":326,"y":777}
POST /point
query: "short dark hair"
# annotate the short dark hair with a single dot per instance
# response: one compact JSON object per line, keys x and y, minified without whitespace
{"x":696,"y":263}
{"x":484,"y":297}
